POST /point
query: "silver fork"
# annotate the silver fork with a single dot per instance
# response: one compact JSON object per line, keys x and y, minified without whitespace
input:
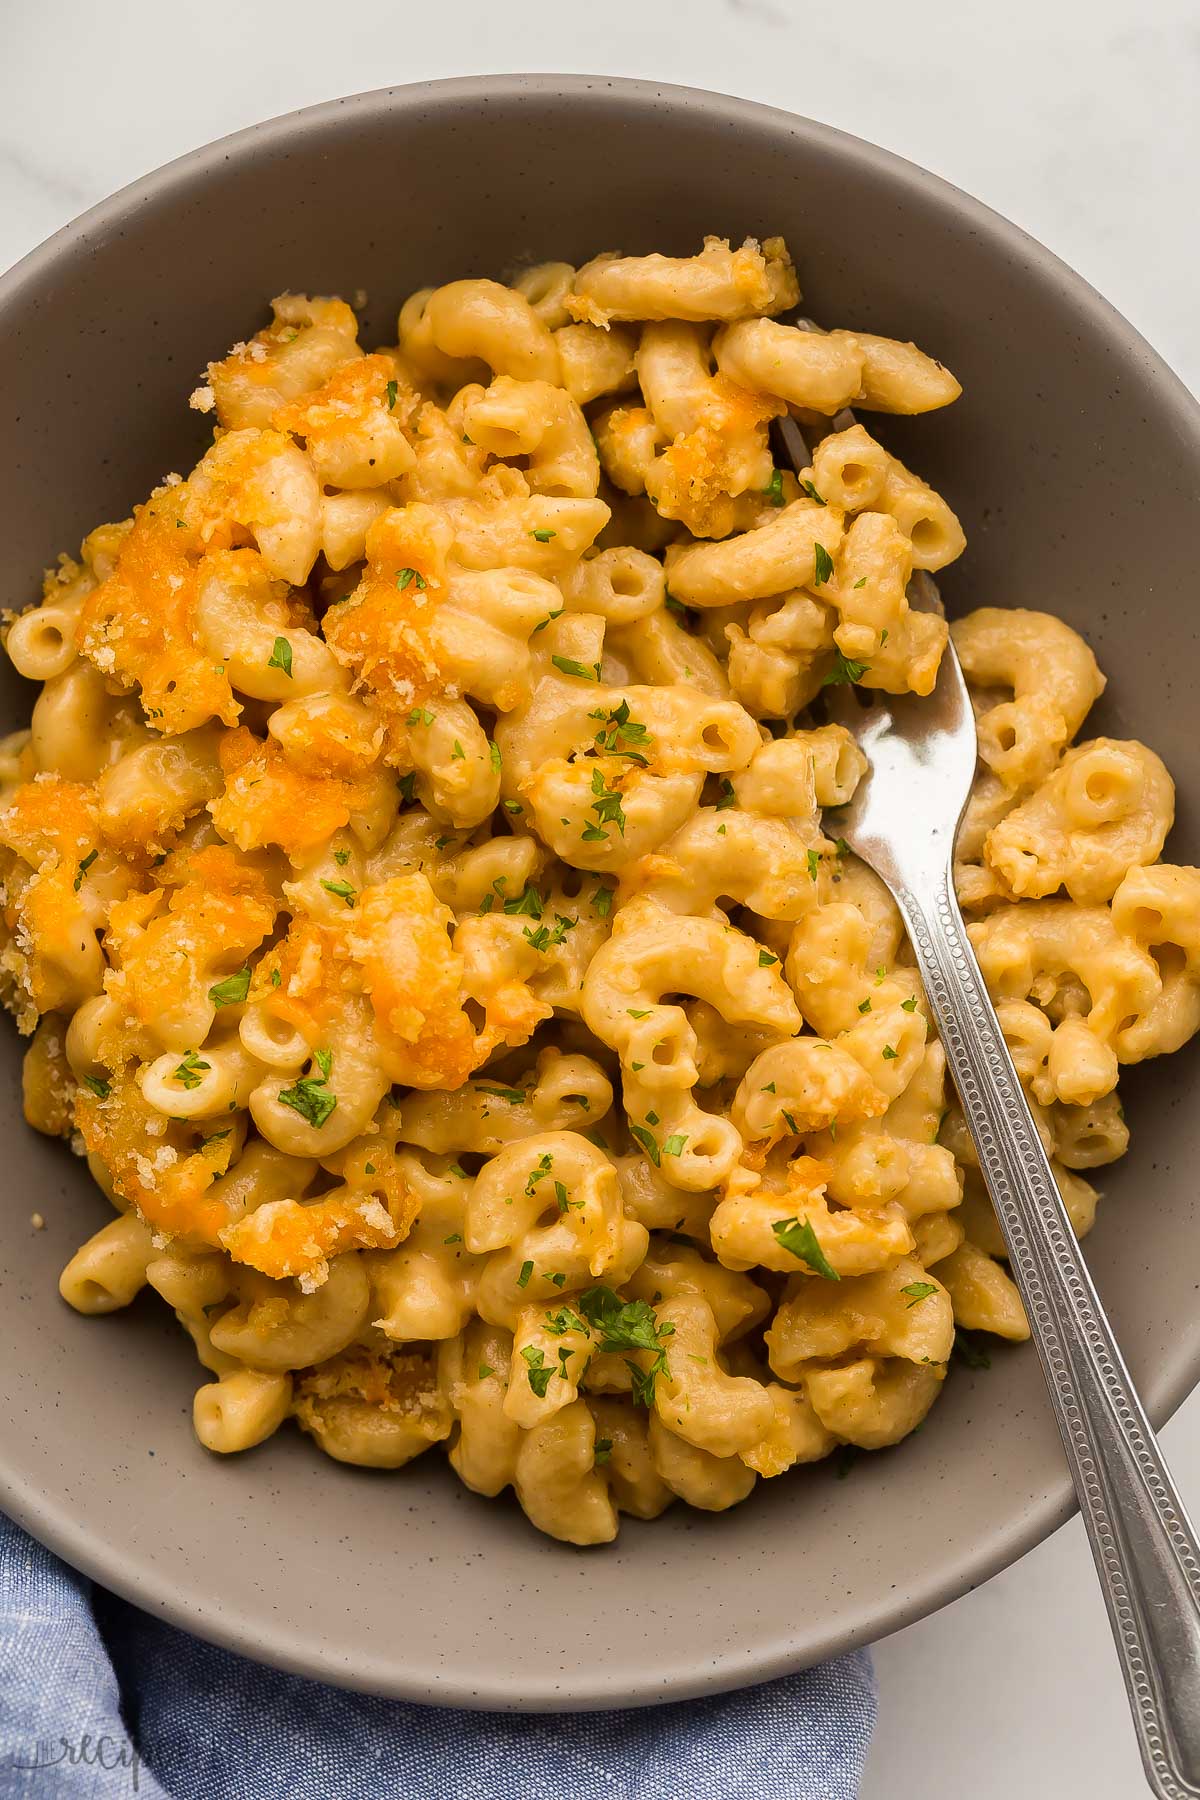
{"x":903,"y":821}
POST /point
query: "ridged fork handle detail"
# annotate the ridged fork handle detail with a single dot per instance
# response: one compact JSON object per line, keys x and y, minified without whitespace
{"x":1141,"y":1537}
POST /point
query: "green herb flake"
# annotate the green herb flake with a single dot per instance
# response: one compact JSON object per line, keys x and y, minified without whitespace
{"x":484,"y":1370}
{"x":526,"y":1272}
{"x":421,"y":715}
{"x":814,"y":864}
{"x":604,"y":1448}
{"x":822,"y":565}
{"x":673,"y":1145}
{"x":83,"y":868}
{"x":190,"y":1070}
{"x":649,"y":1143}
{"x":494,"y":756}
{"x":800,"y":1240}
{"x":514,"y":1096}
{"x":765,"y":959}
{"x":860,"y":583}
{"x":812,"y":493}
{"x":635,"y":1013}
{"x":728,"y":797}
{"x":538,"y":1369}
{"x":310,"y":1096}
{"x":101,"y":1089}
{"x":844,"y":671}
{"x":281,"y":656}
{"x":454,"y":1238}
{"x":909,"y":1005}
{"x":569,"y":666}
{"x":864,"y":1006}
{"x":888,"y":1054}
{"x":232,"y":991}
{"x":405,"y":576}
{"x":342,"y":891}
{"x":918,"y":1291}
{"x":543,"y":534}
{"x":773,"y":491}
{"x":393,"y":388}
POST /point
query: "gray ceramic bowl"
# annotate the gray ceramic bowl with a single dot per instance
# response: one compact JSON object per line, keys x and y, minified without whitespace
{"x":1074,"y":460}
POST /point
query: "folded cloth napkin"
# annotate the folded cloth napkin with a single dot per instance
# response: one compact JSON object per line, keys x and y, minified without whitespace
{"x":98,"y":1701}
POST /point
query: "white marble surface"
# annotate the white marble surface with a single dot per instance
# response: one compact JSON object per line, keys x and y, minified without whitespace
{"x":1076,"y":118}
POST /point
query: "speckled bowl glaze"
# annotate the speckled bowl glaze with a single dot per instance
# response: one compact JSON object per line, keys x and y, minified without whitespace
{"x":1074,"y":461}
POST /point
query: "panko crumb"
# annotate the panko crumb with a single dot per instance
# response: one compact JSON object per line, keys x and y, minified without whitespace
{"x":202,"y":399}
{"x":37,"y":1221}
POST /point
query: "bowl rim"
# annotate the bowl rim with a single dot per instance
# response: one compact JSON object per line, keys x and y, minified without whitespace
{"x":50,"y":1518}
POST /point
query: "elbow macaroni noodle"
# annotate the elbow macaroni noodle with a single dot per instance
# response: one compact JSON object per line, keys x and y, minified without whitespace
{"x":422,"y":895}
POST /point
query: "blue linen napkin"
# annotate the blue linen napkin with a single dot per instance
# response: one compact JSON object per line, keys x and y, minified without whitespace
{"x":98,"y":1701}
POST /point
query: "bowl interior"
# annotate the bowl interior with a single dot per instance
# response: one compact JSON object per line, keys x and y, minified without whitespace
{"x":1074,"y":461}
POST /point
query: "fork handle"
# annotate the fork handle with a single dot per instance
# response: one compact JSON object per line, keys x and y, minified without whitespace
{"x":1143,"y":1542}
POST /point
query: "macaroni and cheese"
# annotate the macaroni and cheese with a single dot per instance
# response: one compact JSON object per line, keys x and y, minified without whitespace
{"x":423,"y":895}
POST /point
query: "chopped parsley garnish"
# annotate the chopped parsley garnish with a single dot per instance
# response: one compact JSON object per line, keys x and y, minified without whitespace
{"x":458,"y":754}
{"x":607,"y":808}
{"x":798,"y":1237}
{"x":845,"y":669}
{"x":514,"y":807}
{"x":484,"y":1370}
{"x":545,"y":1164}
{"x":406,"y":784}
{"x":774,"y":488}
{"x":538,"y":1370}
{"x":341,"y":858}
{"x":421,"y":715}
{"x":569,"y":666}
{"x":628,"y":1325}
{"x":343,"y":891}
{"x":454,"y":1238}
{"x":101,"y":1089}
{"x":635,"y":1013}
{"x":562,"y":1321}
{"x":392,"y":390}
{"x":673,"y":1145}
{"x":602,"y":900}
{"x":822,"y":565}
{"x":814,"y":864}
{"x":543,"y":534}
{"x":888,"y":1054}
{"x":190,"y":1070}
{"x":864,"y":1006}
{"x":649,"y":1143}
{"x":526,"y":1272}
{"x":619,"y":735}
{"x":527,"y":901}
{"x":281,"y":656}
{"x":765,"y":959}
{"x":232,"y":991}
{"x":790,"y":1122}
{"x":728,"y":797}
{"x":310,"y":1096}
{"x":812,"y":493}
{"x":406,"y":575}
{"x":276,"y":977}
{"x":494,"y":756}
{"x":542,"y":623}
{"x":513,"y":1095}
{"x":918,"y":1291}
{"x":83,"y":868}
{"x":861,"y":582}
{"x":603,"y":1451}
{"x":909,"y":1005}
